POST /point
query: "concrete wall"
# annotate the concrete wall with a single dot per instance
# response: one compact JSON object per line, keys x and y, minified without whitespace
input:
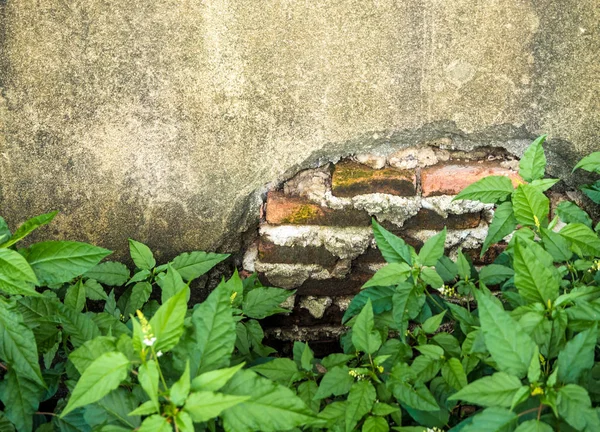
{"x":164,"y":121}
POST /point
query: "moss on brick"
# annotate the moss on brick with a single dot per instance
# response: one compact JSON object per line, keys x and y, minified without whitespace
{"x":304,"y":213}
{"x":350,"y":179}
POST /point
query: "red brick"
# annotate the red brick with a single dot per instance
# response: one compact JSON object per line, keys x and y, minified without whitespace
{"x":269,"y":252}
{"x":283,"y":209}
{"x":350,"y":179}
{"x":430,"y":220}
{"x":450,"y":179}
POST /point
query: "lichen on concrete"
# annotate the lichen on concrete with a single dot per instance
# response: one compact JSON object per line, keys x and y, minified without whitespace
{"x":316,"y":306}
{"x":445,"y":204}
{"x":467,"y":239}
{"x":388,"y":207}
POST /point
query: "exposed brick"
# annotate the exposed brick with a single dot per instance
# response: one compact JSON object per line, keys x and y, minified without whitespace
{"x":429,"y":219}
{"x":349,"y":285}
{"x":302,"y":317}
{"x":269,"y":252}
{"x":450,"y":179}
{"x":351,"y":179}
{"x":283,"y":209}
{"x":489,"y":257}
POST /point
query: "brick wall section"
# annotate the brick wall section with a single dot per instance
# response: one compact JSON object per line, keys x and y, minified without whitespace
{"x":316,"y":235}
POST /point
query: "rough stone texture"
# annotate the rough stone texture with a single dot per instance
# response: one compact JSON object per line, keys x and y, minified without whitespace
{"x":164,"y":122}
{"x":350,"y":179}
{"x":316,"y":306}
{"x":450,"y":179}
{"x":269,"y":252}
{"x":430,"y":219}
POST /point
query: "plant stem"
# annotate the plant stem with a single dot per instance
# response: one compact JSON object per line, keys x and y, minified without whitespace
{"x":433,"y":300}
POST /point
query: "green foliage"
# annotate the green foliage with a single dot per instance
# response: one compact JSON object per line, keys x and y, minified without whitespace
{"x":433,"y":342}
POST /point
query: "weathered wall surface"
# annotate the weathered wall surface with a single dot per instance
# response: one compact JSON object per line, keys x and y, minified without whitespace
{"x":163,"y":121}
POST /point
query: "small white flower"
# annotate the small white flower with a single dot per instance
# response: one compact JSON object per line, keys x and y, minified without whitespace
{"x":149,"y":341}
{"x":158,"y":354}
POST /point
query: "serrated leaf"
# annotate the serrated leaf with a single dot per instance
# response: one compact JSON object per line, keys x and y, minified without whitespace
{"x":307,"y":391}
{"x":167,"y":322}
{"x":593,"y":193}
{"x":490,"y":189}
{"x":141,"y":255}
{"x":87,"y":353}
{"x":148,"y":379}
{"x":170,"y":283}
{"x":535,"y":281}
{"x":17,"y":287}
{"x":336,"y":381}
{"x":569,"y":212}
{"x":556,"y":245}
{"x":454,"y":374}
{"x":381,"y":299}
{"x":307,"y":357}
{"x":144,"y":409}
{"x":446,"y":268}
{"x":215,"y":332}
{"x":263,"y":302}
{"x":590,"y":163}
{"x":155,"y":423}
{"x":56,"y":262}
{"x":184,"y":422}
{"x":195,"y":264}
{"x":14,"y":266}
{"x":534,"y":372}
{"x":530,"y":205}
{"x":94,"y":291}
{"x":364,"y":337}
{"x":583,"y":240}
{"x":493,"y":419}
{"x":572,"y":401}
{"x":214,"y":380}
{"x":432,"y":324}
{"x":28,"y":227}
{"x":418,"y":397}
{"x":510,"y":347}
{"x":544,"y":184}
{"x":140,"y":293}
{"x":533,"y":163}
{"x":281,"y":370}
{"x":109,"y":273}
{"x":494,"y":274}
{"x":375,"y":424}
{"x":75,"y":296}
{"x":392,"y":247}
{"x":391,"y":274}
{"x":431,"y":277}
{"x":495,"y":390}
{"x":270,"y":408}
{"x":503,"y":224}
{"x":203,"y":406}
{"x":361,"y":398}
{"x":433,"y":249}
{"x":181,"y":388}
{"x":577,"y":356}
{"x":534,"y":426}
{"x":101,"y":377}
{"x":17,"y":345}
{"x":21,"y":398}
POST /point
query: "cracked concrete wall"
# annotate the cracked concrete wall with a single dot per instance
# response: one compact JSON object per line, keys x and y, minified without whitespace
{"x":164,"y":122}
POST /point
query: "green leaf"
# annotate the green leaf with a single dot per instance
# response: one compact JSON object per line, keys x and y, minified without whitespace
{"x":307,"y":357}
{"x":375,"y":424}
{"x":56,"y":262}
{"x":393,"y":248}
{"x":529,"y":205}
{"x":184,"y":422}
{"x":569,"y":212}
{"x":391,"y":274}
{"x":432,"y":324}
{"x":503,"y":224}
{"x":148,"y":378}
{"x":572,"y":401}
{"x":496,"y":390}
{"x":590,"y":163}
{"x":94,"y":291}
{"x":534,"y":372}
{"x":431,"y":277}
{"x":381,"y":299}
{"x":109,"y":273}
{"x":78,"y":326}
{"x":593,"y":192}
{"x":577,"y":357}
{"x":419,"y":397}
{"x":533,"y":163}
{"x":510,"y":347}
{"x":155,"y":423}
{"x":263,"y":302}
{"x":144,"y":409}
{"x":544,"y":184}
{"x":433,"y":249}
{"x":556,"y":245}
{"x":101,"y":377}
{"x":270,"y":408}
{"x":75,"y":296}
{"x":170,"y":283}
{"x":17,"y":287}
{"x":383,"y":409}
{"x":490,"y":189}
{"x":140,"y":293}
{"x":215,"y":331}
{"x":17,"y":345}
{"x":364,"y":337}
{"x":584,"y":241}
{"x":281,"y":370}
{"x":167,"y":322}
{"x":307,"y":391}
{"x":87,"y":353}
{"x":454,"y":374}
{"x":142,"y":275}
{"x":534,"y":426}
{"x":203,"y":406}
{"x":360,"y":401}
{"x":535,"y":281}
{"x":336,"y":381}
{"x":446,"y":269}
{"x":494,"y":274}
{"x":21,"y":398}
{"x":214,"y":380}
{"x":28,"y":227}
{"x":493,"y":419}
{"x":141,"y":255}
{"x":4,"y":232}
{"x":195,"y":264}
{"x":181,"y":389}
{"x":14,"y":266}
